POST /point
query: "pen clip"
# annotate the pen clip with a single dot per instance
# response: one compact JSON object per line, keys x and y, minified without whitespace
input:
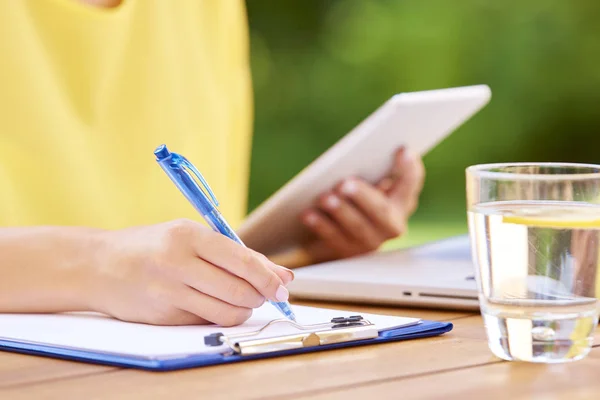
{"x":182,"y":161}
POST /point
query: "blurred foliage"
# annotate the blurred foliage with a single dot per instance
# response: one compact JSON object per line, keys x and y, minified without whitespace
{"x":320,"y":67}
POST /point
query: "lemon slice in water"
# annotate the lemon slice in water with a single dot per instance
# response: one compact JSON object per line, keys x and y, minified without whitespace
{"x":568,"y":217}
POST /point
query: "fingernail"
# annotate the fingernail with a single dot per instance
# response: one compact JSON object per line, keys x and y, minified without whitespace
{"x":349,"y":187}
{"x":282,"y":294}
{"x":332,"y":202}
{"x":289,"y":276}
{"x":310,"y":219}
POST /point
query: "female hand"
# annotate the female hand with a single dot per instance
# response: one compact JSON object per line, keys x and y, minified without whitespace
{"x":357,"y":217}
{"x":179,"y":273}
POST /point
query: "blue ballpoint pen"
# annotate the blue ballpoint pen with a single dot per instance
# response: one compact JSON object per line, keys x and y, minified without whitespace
{"x":204,"y":201}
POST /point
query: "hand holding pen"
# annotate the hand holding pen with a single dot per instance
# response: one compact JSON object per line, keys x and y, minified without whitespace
{"x":205,"y":202}
{"x":175,"y":273}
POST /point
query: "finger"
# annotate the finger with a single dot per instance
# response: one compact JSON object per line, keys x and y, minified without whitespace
{"x":210,"y":308}
{"x":163,"y":314}
{"x":241,"y":261}
{"x":173,"y":317}
{"x":178,"y":317}
{"x":409,"y":184}
{"x":284,"y":273}
{"x":352,"y":221}
{"x":220,"y":284}
{"x":376,"y":206}
{"x":387,"y":183}
{"x":326,"y":231}
{"x":187,"y":318}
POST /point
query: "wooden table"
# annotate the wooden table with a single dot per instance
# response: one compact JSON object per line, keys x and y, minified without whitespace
{"x":455,"y":365}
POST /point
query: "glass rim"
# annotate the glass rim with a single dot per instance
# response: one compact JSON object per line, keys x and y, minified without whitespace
{"x":483,"y":171}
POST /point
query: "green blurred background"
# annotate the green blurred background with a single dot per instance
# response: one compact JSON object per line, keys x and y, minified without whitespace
{"x":321,"y":66}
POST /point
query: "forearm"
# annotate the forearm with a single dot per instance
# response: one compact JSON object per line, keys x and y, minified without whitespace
{"x":45,"y":269}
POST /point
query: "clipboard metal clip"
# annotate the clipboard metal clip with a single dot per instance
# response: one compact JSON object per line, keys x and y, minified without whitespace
{"x":338,"y":330}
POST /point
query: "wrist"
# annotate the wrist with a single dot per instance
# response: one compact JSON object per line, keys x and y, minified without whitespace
{"x":46,"y":269}
{"x":87,"y":269}
{"x":80,"y":249}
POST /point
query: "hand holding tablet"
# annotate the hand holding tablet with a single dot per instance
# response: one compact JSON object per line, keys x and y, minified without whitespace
{"x":417,"y":121}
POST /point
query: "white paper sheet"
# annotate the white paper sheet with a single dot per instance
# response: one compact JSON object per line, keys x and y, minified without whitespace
{"x":96,"y":332}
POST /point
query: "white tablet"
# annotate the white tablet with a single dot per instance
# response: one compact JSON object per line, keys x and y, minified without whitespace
{"x":417,"y":120}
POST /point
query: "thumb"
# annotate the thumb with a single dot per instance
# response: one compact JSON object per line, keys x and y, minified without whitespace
{"x":409,"y":182}
{"x":388,"y":182}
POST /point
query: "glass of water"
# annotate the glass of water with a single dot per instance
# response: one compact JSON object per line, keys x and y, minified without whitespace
{"x":535,"y":239}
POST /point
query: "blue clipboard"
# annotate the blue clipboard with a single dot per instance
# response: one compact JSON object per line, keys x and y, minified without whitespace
{"x":423,"y":329}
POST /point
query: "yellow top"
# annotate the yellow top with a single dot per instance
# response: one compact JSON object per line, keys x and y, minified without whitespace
{"x":87,"y":94}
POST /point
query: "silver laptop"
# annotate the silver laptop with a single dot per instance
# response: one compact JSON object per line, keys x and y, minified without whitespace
{"x":436,"y":275}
